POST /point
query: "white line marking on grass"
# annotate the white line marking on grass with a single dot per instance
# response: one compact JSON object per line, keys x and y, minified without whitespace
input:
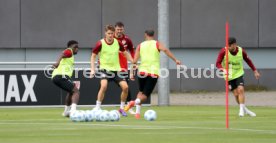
{"x":56,"y":134}
{"x":32,"y":120}
{"x":63,"y":134}
{"x":140,"y":126}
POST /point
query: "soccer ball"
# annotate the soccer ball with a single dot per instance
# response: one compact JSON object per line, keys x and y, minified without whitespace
{"x":114,"y":115}
{"x":89,"y":116}
{"x":150,"y":115}
{"x":104,"y":116}
{"x":97,"y":114}
{"x":77,"y":116}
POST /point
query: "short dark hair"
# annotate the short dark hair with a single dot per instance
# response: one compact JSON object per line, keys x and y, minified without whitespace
{"x":71,"y":42}
{"x":109,"y":27}
{"x":119,"y":24}
{"x":150,"y":33}
{"x":231,"y":40}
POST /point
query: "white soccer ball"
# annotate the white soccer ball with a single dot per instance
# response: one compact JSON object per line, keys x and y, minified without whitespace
{"x":114,"y":115}
{"x":104,"y":116}
{"x":77,"y":116}
{"x":89,"y":116}
{"x":97,"y":114}
{"x":150,"y":115}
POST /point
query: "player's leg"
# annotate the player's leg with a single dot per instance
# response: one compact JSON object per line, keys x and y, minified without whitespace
{"x":66,"y":83}
{"x":68,"y":102}
{"x":243,"y":108}
{"x":137,"y":102}
{"x":129,"y":97}
{"x":233,"y":84}
{"x":101,"y":93}
{"x":124,"y":86}
{"x":148,"y":88}
{"x":240,"y":96}
{"x":128,"y":102}
{"x":75,"y":98}
{"x":236,"y":95}
{"x":73,"y":91}
{"x":241,"y":93}
{"x":142,"y":97}
{"x":126,"y":78}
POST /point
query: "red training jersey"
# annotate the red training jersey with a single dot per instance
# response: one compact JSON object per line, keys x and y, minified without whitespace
{"x":244,"y":54}
{"x":98,"y":47}
{"x":128,"y":45}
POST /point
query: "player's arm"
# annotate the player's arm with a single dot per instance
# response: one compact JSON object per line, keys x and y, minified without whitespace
{"x":220,"y":59}
{"x":135,"y":60}
{"x":65,"y":54}
{"x":250,"y":64}
{"x":92,"y":64}
{"x":161,"y":47}
{"x":137,"y":55}
{"x":131,"y":48}
{"x":126,"y":54}
{"x":94,"y":54}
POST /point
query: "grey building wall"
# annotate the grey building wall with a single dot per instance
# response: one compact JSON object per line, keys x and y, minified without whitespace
{"x":37,"y":30}
{"x":10,"y":23}
{"x":193,"y":23}
{"x":51,"y":23}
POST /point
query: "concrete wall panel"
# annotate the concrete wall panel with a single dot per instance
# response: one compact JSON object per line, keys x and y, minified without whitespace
{"x":267,"y":23}
{"x":51,"y":23}
{"x":203,"y":22}
{"x":137,"y":15}
{"x":9,"y":23}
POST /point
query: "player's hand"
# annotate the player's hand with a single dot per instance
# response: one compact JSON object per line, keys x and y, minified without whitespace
{"x":92,"y":73}
{"x":257,"y":74}
{"x":178,"y":62}
{"x":134,"y":66}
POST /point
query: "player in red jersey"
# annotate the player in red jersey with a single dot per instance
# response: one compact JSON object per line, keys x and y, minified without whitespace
{"x":107,"y":49}
{"x":128,"y":45}
{"x":236,"y":81}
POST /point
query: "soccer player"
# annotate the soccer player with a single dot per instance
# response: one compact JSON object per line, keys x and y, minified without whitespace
{"x":62,"y":74}
{"x":149,"y":52}
{"x":236,"y":56}
{"x":128,"y":45}
{"x":107,"y":50}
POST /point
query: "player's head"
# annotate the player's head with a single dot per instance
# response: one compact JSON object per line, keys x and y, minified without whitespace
{"x":232,"y":43}
{"x":73,"y":44}
{"x":109,"y":32}
{"x":119,"y":29}
{"x":149,"y":34}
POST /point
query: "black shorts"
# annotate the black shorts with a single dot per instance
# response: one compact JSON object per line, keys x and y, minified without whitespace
{"x":233,"y":84}
{"x":147,"y":84}
{"x":112,"y":76}
{"x":124,"y":75}
{"x":64,"y":82}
